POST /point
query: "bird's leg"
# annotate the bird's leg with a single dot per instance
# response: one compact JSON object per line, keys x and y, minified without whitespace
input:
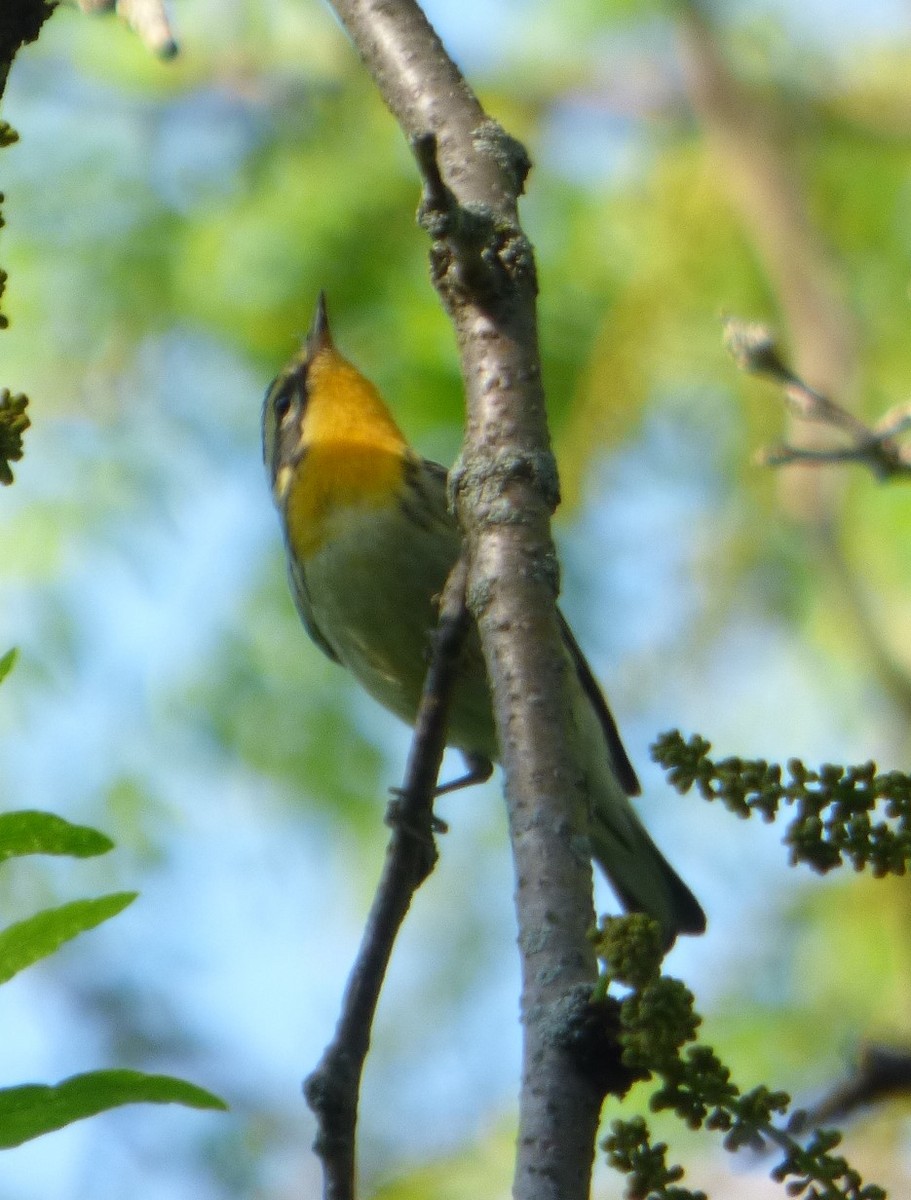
{"x":479,"y":770}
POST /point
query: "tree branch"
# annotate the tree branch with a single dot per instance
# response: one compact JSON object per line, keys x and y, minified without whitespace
{"x":505,"y":488}
{"x":332,"y":1089}
{"x":752,"y":137}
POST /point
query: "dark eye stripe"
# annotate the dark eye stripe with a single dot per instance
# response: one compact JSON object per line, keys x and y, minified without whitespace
{"x":276,"y":406}
{"x":286,"y":397}
{"x":288,"y":389}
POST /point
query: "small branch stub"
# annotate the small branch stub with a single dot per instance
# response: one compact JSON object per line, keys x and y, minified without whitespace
{"x":477,"y":253}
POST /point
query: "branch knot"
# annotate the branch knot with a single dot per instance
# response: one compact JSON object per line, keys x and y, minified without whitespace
{"x":487,"y":481}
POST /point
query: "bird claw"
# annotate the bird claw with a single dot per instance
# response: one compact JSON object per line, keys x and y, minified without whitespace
{"x":396,"y":818}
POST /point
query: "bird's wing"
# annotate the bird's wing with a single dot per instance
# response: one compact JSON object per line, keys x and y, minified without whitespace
{"x":305,"y":608}
{"x":435,"y":477}
{"x":424,"y":498}
{"x":623,"y":768}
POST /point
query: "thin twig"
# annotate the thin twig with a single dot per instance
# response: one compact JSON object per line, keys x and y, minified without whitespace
{"x":332,"y":1090}
{"x":755,"y":349}
{"x":148,"y":19}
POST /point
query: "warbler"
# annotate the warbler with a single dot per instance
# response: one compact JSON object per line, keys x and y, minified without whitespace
{"x":370,"y":542}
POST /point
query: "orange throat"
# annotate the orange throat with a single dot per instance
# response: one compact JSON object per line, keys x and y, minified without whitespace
{"x":354,"y":456}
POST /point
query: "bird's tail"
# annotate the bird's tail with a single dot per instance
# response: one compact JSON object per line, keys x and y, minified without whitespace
{"x":638,"y":872}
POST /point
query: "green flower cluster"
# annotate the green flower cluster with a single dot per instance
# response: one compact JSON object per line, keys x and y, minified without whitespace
{"x":842,"y":814}
{"x":13,"y":423}
{"x":657,"y":1032}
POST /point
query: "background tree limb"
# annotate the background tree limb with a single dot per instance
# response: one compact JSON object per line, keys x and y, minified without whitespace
{"x":750,"y":140}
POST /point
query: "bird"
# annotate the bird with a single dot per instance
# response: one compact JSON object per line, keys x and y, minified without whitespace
{"x":370,"y":540}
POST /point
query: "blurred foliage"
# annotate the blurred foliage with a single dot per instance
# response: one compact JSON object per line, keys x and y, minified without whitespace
{"x":485,"y":1167}
{"x":168,"y":229}
{"x":286,"y":719}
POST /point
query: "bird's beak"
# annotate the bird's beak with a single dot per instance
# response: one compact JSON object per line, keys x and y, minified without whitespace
{"x":319,"y":337}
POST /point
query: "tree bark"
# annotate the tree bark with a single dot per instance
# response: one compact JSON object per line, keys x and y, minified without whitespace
{"x":505,"y":488}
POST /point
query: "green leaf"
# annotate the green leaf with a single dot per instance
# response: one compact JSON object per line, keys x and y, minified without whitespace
{"x":28,"y":832}
{"x":37,"y":936}
{"x":32,"y":1109}
{"x":7,"y":662}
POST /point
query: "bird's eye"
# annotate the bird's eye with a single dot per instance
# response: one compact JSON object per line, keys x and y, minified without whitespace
{"x":282,"y":404}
